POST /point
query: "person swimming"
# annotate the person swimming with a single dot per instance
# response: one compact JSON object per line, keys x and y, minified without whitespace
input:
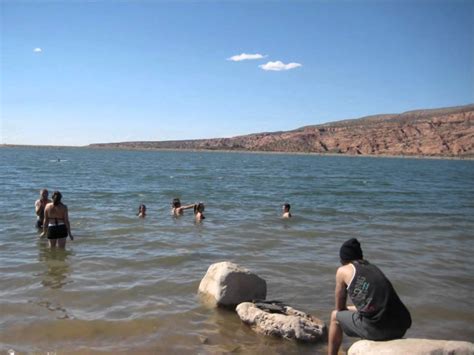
{"x":199,"y":211}
{"x":177,"y":209}
{"x":141,"y":211}
{"x":286,"y":210}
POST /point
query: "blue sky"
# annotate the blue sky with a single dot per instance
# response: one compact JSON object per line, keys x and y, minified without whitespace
{"x":79,"y":72}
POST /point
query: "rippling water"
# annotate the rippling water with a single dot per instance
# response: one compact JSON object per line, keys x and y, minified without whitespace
{"x":126,"y":284}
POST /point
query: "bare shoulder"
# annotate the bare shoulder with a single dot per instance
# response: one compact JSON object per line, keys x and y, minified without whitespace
{"x":344,"y":273}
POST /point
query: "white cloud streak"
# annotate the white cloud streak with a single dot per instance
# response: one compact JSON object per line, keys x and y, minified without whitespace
{"x":245,"y":56}
{"x":37,"y":50}
{"x":279,"y":66}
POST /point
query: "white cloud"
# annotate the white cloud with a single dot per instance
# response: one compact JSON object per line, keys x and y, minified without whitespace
{"x":245,"y":56}
{"x":37,"y":50}
{"x":279,"y":66}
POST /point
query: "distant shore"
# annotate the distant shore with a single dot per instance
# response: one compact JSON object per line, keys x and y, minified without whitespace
{"x":434,"y":157}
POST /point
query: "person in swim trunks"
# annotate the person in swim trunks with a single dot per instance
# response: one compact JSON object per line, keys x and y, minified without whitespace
{"x":56,"y":222}
{"x":40,"y":204}
{"x":377,"y":313}
{"x":177,"y":209}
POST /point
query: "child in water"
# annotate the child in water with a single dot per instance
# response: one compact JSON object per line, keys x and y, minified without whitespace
{"x":141,"y":211}
{"x":199,"y":211}
{"x":286,"y":211}
{"x":177,"y":209}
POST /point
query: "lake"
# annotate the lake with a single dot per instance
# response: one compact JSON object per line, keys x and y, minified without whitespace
{"x":128,"y":284}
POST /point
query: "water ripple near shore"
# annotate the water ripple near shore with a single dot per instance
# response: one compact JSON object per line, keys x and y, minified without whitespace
{"x":126,"y":284}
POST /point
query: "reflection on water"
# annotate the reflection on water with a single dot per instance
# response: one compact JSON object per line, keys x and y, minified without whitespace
{"x":129,"y":285}
{"x":57,"y":270}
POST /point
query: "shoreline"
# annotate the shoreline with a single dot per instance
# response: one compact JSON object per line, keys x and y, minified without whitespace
{"x":431,"y":157}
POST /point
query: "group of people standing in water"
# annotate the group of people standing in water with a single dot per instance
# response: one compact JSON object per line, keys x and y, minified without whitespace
{"x":53,"y":218}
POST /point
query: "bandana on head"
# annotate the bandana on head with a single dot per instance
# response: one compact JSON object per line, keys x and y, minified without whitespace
{"x":351,"y":250}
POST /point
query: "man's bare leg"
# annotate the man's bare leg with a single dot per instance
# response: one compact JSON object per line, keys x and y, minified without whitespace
{"x":335,"y":335}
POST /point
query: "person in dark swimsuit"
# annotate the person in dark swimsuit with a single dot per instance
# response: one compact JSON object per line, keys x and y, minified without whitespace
{"x":56,"y":222}
{"x":40,"y":204}
{"x":377,"y":313}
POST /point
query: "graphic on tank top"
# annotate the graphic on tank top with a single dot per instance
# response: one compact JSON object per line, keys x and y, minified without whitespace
{"x":359,"y":293}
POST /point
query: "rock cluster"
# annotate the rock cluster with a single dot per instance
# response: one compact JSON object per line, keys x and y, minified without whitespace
{"x":290,"y":324}
{"x":227,"y":284}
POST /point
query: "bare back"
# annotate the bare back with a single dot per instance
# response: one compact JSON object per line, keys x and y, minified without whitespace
{"x":53,"y":213}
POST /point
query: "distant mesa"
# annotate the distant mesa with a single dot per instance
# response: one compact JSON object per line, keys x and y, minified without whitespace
{"x":445,"y":132}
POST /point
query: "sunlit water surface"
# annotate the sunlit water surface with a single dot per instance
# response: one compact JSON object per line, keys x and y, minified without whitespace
{"x":126,"y":284}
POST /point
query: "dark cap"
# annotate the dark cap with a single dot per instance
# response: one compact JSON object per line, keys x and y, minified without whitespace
{"x":350,"y":250}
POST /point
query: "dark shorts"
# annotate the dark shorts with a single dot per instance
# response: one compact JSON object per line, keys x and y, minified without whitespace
{"x":39,"y":223}
{"x":354,"y":325}
{"x":57,"y":232}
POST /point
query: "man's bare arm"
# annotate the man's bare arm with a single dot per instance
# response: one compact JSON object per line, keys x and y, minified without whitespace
{"x":341,"y":292}
{"x":187,"y":207}
{"x":38,"y":207}
{"x":45,"y":222}
{"x":68,"y":225}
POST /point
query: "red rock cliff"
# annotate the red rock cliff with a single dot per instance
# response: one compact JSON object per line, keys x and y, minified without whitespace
{"x":439,"y":132}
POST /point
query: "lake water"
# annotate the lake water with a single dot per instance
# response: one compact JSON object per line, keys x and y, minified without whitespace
{"x":126,"y":284}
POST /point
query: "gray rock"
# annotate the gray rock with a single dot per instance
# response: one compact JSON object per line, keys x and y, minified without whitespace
{"x":412,"y":347}
{"x":228,"y":284}
{"x":291,"y":324}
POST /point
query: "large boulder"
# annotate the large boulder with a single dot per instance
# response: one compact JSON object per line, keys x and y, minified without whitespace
{"x":412,"y":347}
{"x":228,"y":284}
{"x":282,"y":321}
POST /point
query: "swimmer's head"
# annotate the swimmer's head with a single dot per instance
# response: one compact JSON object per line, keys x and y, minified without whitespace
{"x":56,"y":197}
{"x":141,"y":210}
{"x":44,"y":193}
{"x":286,"y":207}
{"x":176,"y":203}
{"x":199,"y":207}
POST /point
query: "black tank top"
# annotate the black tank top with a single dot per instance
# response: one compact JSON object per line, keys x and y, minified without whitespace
{"x":375,"y":298}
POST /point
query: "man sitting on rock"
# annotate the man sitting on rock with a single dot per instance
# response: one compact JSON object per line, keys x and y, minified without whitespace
{"x":377,"y":314}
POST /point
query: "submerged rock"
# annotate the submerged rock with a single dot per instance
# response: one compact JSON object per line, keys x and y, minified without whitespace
{"x":412,"y":347}
{"x":228,"y":284}
{"x":282,"y":321}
